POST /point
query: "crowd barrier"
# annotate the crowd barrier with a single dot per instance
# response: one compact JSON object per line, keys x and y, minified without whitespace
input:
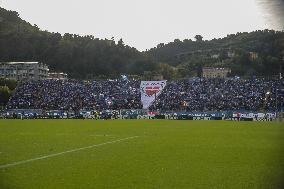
{"x":137,"y":114}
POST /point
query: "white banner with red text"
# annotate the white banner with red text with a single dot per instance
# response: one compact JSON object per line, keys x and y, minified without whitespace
{"x":150,"y":90}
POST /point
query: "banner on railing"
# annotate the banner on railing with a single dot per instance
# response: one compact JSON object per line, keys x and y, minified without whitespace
{"x":150,"y":90}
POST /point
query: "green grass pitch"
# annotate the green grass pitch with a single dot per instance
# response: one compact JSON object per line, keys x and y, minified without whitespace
{"x":166,"y":154}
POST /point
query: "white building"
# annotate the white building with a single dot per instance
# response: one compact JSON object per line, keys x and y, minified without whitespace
{"x":208,"y":72}
{"x":23,"y":70}
{"x":57,"y":75}
{"x":231,"y":54}
{"x":215,"y":56}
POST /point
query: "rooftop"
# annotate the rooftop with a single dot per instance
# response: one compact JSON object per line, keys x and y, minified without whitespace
{"x":19,"y":62}
{"x":57,"y":73}
{"x":211,"y":68}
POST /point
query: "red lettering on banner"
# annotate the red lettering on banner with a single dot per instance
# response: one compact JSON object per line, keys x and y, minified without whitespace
{"x":152,"y":90}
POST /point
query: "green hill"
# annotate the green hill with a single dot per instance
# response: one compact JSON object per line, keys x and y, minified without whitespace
{"x":235,"y":51}
{"x":87,"y":57}
{"x":79,"y":56}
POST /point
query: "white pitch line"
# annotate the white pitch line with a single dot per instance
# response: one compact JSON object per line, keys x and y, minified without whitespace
{"x":62,"y":153}
{"x":102,"y":135}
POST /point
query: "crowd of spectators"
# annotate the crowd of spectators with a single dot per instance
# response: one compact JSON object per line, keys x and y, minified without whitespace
{"x":219,"y":94}
{"x":75,"y":95}
{"x":196,"y":94}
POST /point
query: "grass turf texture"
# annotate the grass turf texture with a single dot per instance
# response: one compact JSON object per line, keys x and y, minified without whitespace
{"x":167,"y":154}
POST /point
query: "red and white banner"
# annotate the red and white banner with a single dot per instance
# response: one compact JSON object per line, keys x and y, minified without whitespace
{"x":150,"y":90}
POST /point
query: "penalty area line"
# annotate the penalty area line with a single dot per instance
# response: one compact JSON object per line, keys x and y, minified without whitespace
{"x":62,"y":153}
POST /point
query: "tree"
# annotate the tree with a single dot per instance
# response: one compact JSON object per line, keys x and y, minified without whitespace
{"x":160,"y":45}
{"x":167,"y":71}
{"x":177,"y":41}
{"x":10,"y":83}
{"x":198,"y":38}
{"x":120,"y":43}
{"x":5,"y":94}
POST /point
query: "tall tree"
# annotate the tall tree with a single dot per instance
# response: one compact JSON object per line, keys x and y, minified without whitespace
{"x":198,"y":38}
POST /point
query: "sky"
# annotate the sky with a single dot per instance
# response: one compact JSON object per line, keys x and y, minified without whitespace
{"x":145,"y":23}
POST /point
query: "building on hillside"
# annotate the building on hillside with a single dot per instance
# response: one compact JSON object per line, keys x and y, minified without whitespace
{"x":253,"y":55}
{"x":58,"y":76}
{"x":231,"y":54}
{"x":215,"y":56}
{"x":23,"y":70}
{"x":157,"y":77}
{"x":148,"y":75}
{"x":134,"y":77}
{"x":209,"y":72}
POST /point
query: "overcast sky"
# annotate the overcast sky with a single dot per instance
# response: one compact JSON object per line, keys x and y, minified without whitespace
{"x":145,"y":23}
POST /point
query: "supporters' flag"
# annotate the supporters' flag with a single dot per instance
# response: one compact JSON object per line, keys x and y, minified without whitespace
{"x":184,"y":103}
{"x":108,"y":101}
{"x":150,"y":90}
{"x":124,"y":77}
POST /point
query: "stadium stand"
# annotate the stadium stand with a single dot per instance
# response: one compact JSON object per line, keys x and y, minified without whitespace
{"x":196,"y":94}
